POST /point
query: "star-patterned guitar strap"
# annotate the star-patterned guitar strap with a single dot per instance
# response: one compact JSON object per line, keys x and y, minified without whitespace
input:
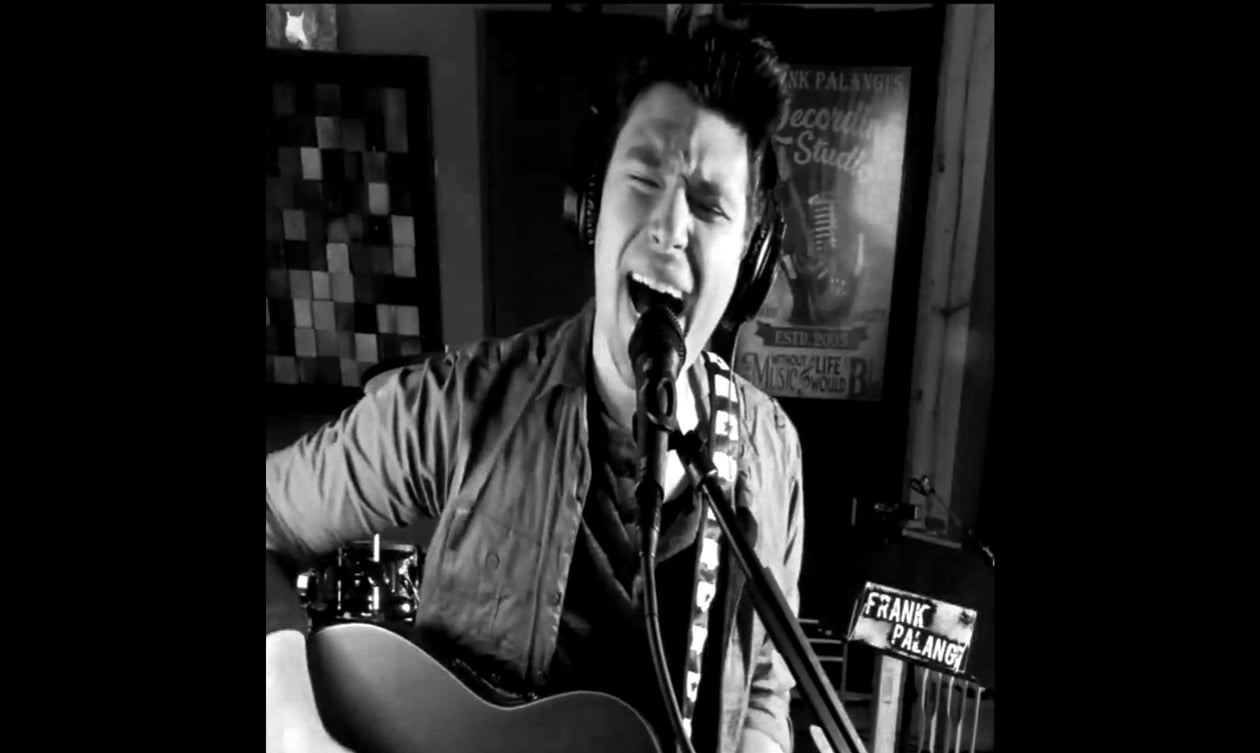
{"x":724,"y":430}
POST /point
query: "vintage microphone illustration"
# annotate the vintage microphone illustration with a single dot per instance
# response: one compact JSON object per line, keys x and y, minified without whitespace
{"x":823,"y":276}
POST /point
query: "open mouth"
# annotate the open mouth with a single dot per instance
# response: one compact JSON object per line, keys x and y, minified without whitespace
{"x":646,"y":292}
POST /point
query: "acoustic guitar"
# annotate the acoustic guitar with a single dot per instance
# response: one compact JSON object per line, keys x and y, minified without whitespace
{"x":379,"y":692}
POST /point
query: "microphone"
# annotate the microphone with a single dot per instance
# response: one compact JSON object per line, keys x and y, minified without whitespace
{"x":657,"y":352}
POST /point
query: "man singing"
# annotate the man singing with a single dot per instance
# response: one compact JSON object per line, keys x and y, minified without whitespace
{"x":523,"y":449}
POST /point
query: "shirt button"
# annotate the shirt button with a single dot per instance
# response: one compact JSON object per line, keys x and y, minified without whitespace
{"x":555,"y":598}
{"x":492,"y":560}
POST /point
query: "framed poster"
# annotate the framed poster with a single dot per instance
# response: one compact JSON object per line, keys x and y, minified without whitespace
{"x":822,"y":331}
{"x":352,"y":266}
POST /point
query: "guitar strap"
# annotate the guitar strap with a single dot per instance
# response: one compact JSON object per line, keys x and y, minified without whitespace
{"x":724,"y":430}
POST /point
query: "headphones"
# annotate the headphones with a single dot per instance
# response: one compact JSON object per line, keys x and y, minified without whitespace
{"x":760,"y":261}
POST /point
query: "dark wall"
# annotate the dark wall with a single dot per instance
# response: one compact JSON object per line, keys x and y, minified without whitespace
{"x":959,"y":576}
{"x":856,"y":450}
{"x":540,"y":72}
{"x":446,"y":35}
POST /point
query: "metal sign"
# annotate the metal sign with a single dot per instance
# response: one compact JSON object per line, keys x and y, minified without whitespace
{"x":923,"y":630}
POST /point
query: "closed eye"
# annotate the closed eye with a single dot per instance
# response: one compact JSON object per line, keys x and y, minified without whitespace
{"x":708,"y":208}
{"x":706,"y":199}
{"x":643,"y":180}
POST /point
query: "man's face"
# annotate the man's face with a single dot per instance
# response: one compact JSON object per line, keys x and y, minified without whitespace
{"x":672,"y":216}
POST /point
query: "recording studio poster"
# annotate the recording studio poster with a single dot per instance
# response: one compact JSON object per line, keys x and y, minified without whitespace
{"x":821,"y":332}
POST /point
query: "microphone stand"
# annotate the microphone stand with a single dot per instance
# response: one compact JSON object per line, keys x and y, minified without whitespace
{"x":657,"y":351}
{"x":775,"y":613}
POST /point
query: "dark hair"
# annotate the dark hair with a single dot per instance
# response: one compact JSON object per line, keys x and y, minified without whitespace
{"x":733,"y":71}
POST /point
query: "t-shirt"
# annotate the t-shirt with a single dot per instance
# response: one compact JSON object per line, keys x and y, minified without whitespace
{"x":603,"y":645}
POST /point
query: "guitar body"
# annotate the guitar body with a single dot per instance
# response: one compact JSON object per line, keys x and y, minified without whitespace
{"x":378,"y":692}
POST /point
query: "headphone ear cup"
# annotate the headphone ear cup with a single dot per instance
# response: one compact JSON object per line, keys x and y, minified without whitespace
{"x":761,"y":259}
{"x":581,"y":211}
{"x":581,"y":197}
{"x":589,"y":212}
{"x":757,"y":269}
